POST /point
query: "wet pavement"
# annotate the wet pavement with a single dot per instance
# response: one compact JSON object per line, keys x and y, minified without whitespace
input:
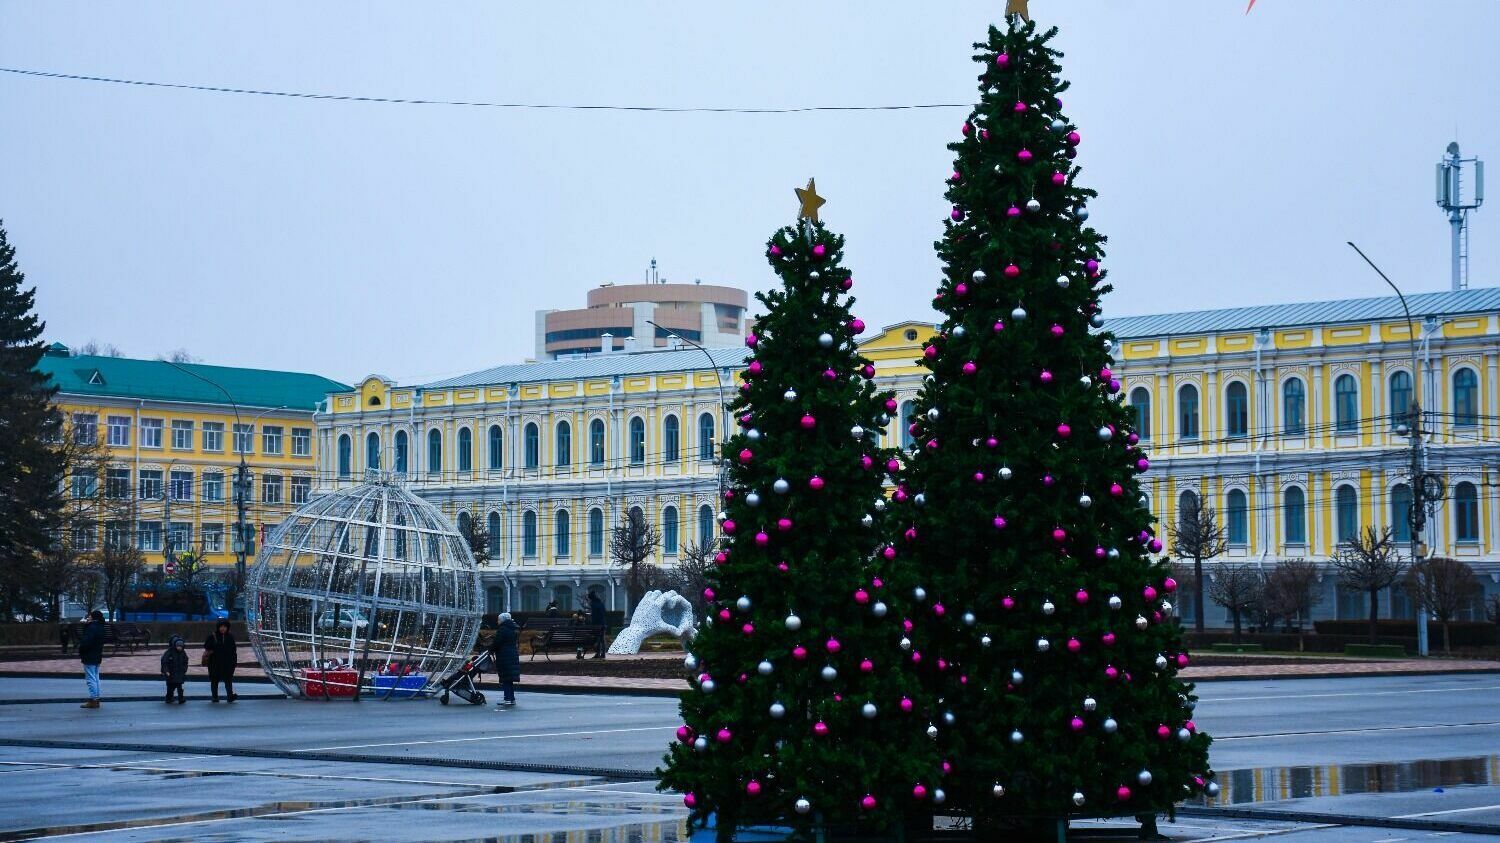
{"x":566,"y":768}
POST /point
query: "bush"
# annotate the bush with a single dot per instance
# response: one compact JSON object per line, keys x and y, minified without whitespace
{"x":1383,"y":651}
{"x":1465,"y":633}
{"x":1230,"y":647}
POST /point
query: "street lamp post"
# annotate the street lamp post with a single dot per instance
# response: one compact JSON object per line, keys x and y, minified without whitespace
{"x":1417,"y":518}
{"x":723,"y":407}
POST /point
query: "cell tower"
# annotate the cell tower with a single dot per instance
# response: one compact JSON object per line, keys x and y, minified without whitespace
{"x":1450,"y":189}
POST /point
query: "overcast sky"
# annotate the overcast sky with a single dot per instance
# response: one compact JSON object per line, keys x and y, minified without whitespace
{"x":1234,"y":155}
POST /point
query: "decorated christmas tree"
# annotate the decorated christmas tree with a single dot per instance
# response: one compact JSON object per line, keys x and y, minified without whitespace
{"x":1047,"y":631}
{"x":801,"y":711}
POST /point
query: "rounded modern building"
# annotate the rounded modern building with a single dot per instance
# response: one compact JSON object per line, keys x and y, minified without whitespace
{"x":639,"y":317}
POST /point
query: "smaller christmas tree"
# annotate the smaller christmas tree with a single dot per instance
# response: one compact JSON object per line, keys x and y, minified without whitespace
{"x":801,"y":713}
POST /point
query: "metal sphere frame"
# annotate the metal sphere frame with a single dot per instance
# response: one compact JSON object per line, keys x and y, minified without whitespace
{"x":367,"y":591}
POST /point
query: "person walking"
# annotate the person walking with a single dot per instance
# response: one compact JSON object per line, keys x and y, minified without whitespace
{"x":505,"y":650}
{"x":221,"y":657}
{"x":91,"y":654}
{"x":552,"y":610}
{"x":174,"y":668}
{"x":598,"y":619}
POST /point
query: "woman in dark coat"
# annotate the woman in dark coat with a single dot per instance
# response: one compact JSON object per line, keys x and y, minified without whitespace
{"x":506,"y":650}
{"x":220,"y":655}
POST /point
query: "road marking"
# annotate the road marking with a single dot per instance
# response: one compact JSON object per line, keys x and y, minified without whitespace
{"x":485,"y":738}
{"x":1355,"y":731}
{"x":1449,"y":811}
{"x":1464,"y":689}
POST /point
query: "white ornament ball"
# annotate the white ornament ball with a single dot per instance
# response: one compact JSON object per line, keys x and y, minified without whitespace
{"x":1085,"y":501}
{"x":753,"y":435}
{"x":1161,"y":662}
{"x":969,"y":619}
{"x":920,"y":499}
{"x":1143,"y":778}
{"x":815,"y":275}
{"x":1110,"y":726}
{"x":978,"y":276}
{"x":802,"y":806}
{"x":1063,"y":281}
{"x":825,"y":340}
{"x":764,"y":668}
{"x":1115,"y":602}
{"x":742,"y":604}
{"x":1108,"y":344}
{"x":1105,"y":434}
{"x":1048,"y":608}
{"x":1005,"y":472}
{"x":857,"y":432}
{"x":1058,"y":125}
{"x":959,"y":331}
{"x":1212,"y":788}
{"x":1077,"y":798}
{"x":691,"y":662}
{"x":868,"y":520}
{"x":933,"y":414}
{"x":793,"y":623}
{"x":997,"y":790}
{"x":1089,"y":703}
{"x":1096,"y":321}
{"x":919,"y":594}
{"x":722,"y":517}
{"x":938,"y":796}
{"x":1184,"y":735}
{"x":777,"y":711}
{"x":752,"y":499}
{"x":1113,"y":554}
{"x":879,"y":504}
{"x":905,"y":643}
{"x":1016,"y":677}
{"x":1019,"y":314}
{"x":1081,"y":213}
{"x":949,"y":719}
{"x":790,"y":395}
{"x":932,"y":731}
{"x":1166,"y":607}
{"x":781,"y":487}
{"x":829,"y":673}
{"x":1043,"y":645}
{"x":1033,"y":205}
{"x":879,"y":609}
{"x":1016,"y":736}
{"x":1141,"y":622}
{"x":700,"y":744}
{"x":707,"y":686}
{"x":869,"y":711}
{"x":985,"y":641}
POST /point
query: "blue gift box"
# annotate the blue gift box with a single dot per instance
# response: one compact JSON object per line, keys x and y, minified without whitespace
{"x":399,"y":687}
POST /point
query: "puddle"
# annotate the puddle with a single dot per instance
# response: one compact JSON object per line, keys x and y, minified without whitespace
{"x":1271,"y":784}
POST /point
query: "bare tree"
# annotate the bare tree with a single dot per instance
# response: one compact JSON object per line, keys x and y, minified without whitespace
{"x":1370,"y":562}
{"x":191,"y":567}
{"x":118,"y":564}
{"x":56,"y":573}
{"x":1198,"y":536}
{"x":691,"y":575}
{"x":94,"y":348}
{"x":477,"y":537}
{"x":631,"y":547}
{"x":1238,"y":588}
{"x":1292,"y":592}
{"x":179,"y":355}
{"x":1443,"y":587}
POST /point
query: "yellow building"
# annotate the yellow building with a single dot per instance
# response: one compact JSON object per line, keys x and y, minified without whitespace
{"x":174,"y":441}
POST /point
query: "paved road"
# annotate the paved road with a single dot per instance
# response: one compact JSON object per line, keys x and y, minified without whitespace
{"x":294,"y":770}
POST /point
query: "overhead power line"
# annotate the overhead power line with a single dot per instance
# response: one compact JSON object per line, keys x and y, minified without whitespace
{"x":540,"y":106}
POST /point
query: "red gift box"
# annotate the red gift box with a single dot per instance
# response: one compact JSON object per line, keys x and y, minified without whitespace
{"x":332,"y":683}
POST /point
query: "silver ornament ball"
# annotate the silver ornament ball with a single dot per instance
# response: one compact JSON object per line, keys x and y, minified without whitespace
{"x":707,"y":686}
{"x":933,"y":414}
{"x":1184,"y":735}
{"x":1110,"y":726}
{"x":781,"y":487}
{"x":752,"y":499}
{"x":1048,"y":608}
{"x":1063,"y":281}
{"x":1016,"y":677}
{"x":905,"y":643}
{"x":1019,"y":314}
{"x":753,"y":435}
{"x":790,"y":395}
{"x":825,"y":340}
{"x":1212,"y":788}
{"x":1077,"y":798}
{"x":1141,"y":622}
{"x":920,"y":499}
{"x":1043,"y":645}
{"x":868,"y":520}
{"x":1143,"y":778}
{"x":959,"y":331}
{"x":938,"y":796}
{"x":742,"y":604}
{"x":949,"y":719}
{"x":1096,"y":321}
{"x":815,"y":275}
{"x":802,"y":806}
{"x":978,"y":276}
{"x":1161,"y":662}
{"x":1085,"y":501}
{"x":1016,"y":736}
{"x":700,"y":744}
{"x":919,"y":594}
{"x":1058,"y":125}
{"x":1105,"y":434}
{"x":879,"y":504}
{"x":1115,"y":602}
{"x":777,"y":711}
{"x":932,"y":731}
{"x":793,"y":623}
{"x":1033,"y":205}
{"x":997,"y":790}
{"x":869,"y":711}
{"x":857,"y":432}
{"x":969,"y":619}
{"x":879,"y":609}
{"x":691,"y":662}
{"x":1081,"y":213}
{"x":1089,"y":703}
{"x":1005,"y":473}
{"x":985,"y":641}
{"x":764,"y":668}
{"x":829,"y":673}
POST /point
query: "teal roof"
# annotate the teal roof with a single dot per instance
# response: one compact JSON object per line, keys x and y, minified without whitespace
{"x":157,"y":380}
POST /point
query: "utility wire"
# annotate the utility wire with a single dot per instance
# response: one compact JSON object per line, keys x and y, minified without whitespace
{"x":304,"y":95}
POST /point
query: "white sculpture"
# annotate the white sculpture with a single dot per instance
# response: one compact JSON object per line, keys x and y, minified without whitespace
{"x":658,"y":613}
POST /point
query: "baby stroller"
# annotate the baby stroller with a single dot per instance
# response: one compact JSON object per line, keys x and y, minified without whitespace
{"x":462,"y":681}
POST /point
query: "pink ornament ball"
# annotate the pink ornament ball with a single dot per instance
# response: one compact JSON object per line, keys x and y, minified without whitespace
{"x":1182,"y":659}
{"x":893,"y":465}
{"x":930,"y":352}
{"x":1002,"y":60}
{"x":1116,"y":490}
{"x":829,"y":374}
{"x":1169,"y":585}
{"x":1132,"y":439}
{"x":868,"y":370}
{"x":730,"y":526}
{"x":1112,"y":672}
{"x":799,"y":652}
{"x":725,"y":736}
{"x":1190,"y":726}
{"x":846,"y":284}
{"x":1000,"y":523}
{"x":820,"y":728}
{"x":752,"y":788}
{"x":1045,"y":376}
{"x":819,"y":250}
{"x":919,"y":792}
{"x":1064,"y":431}
{"x":815,"y":483}
{"x":911,"y":534}
{"x":939,"y":610}
{"x":1123,"y":794}
{"x":890,"y":405}
{"x":1074,"y":138}
{"x":745,"y":387}
{"x":833,"y":645}
{"x":1047,"y":480}
{"x":783,"y":524}
{"x":1012,"y":271}
{"x":961,"y":289}
{"x":955,"y":178}
{"x":721,"y":557}
{"x":1056,"y":329}
{"x":782,"y":567}
{"x":1155,"y":545}
{"x":1142,"y":464}
{"x":1024,"y":156}
{"x":889,"y":552}
{"x":857,"y":326}
{"x":984,"y":134}
{"x":1059,"y":535}
{"x":868,"y":803}
{"x":754,"y":368}
{"x":1108,"y":638}
{"x":998,"y":327}
{"x":709,"y":594}
{"x":1164,"y":731}
{"x":775,"y":251}
{"x":907,"y":705}
{"x":762,"y":539}
{"x":957,"y":214}
{"x":866,"y":666}
{"x":1059,"y":179}
{"x":748,"y":629}
{"x":1074,"y":645}
{"x":1007,"y":602}
{"x":1098,"y":553}
{"x":684,"y":734}
{"x":1020,"y":107}
{"x":751,"y":340}
{"x":724,"y":614}
{"x":970,"y":367}
{"x":690,"y":800}
{"x":808,"y":422}
{"x":1081,"y":597}
{"x":1148,"y":593}
{"x":1013,"y":211}
{"x":968,"y":128}
{"x":1077,"y":724}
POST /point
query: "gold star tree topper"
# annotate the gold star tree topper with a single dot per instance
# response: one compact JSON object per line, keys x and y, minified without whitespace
{"x":1018,"y":7}
{"x":810,"y":200}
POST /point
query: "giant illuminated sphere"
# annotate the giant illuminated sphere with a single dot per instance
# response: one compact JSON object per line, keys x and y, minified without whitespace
{"x":367,"y":591}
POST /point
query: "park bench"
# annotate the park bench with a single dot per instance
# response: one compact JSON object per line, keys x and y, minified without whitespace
{"x":116,"y":635}
{"x":552,"y":633}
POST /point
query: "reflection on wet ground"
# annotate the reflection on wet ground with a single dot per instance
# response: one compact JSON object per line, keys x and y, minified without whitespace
{"x":1272,"y":784}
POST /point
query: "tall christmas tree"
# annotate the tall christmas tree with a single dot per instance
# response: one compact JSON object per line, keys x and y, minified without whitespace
{"x":801,"y":709}
{"x":1047,"y":629}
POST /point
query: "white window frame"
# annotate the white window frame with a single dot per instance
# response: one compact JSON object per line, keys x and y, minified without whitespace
{"x":213,"y":480}
{"x":213,"y":437}
{"x":301,"y":441}
{"x":151,"y":433}
{"x":182,"y":434}
{"x":117,"y":429}
{"x":301,"y":490}
{"x":271,"y":436}
{"x":272,"y":489}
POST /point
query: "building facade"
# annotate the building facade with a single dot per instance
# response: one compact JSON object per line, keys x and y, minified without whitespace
{"x":1283,"y":419}
{"x":641,"y":317}
{"x":171,"y":444}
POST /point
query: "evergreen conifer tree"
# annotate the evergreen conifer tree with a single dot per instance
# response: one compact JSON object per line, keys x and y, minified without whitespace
{"x":801,"y":700}
{"x":1046,"y":627}
{"x":31,"y":463}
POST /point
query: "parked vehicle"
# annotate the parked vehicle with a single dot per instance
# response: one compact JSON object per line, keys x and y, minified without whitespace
{"x":346,"y":620}
{"x":169,"y":606}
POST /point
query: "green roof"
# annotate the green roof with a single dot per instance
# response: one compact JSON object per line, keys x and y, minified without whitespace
{"x":123,"y":377}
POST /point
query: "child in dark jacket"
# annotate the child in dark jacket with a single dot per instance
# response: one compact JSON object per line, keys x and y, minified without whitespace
{"x":174,"y":668}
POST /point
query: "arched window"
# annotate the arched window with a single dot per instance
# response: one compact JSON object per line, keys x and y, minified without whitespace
{"x":528,"y":533}
{"x":1401,"y":513}
{"x":596,"y":532}
{"x":1140,"y":406}
{"x":706,"y":438}
{"x":492,"y":524}
{"x":1466,"y":512}
{"x":908,"y":418}
{"x":1346,"y":404}
{"x":636,"y":515}
{"x":596,"y":442}
{"x":532,"y":441}
{"x":1293,"y":407}
{"x":434,"y":452}
{"x":560,"y":528}
{"x":637,"y":441}
{"x":563,"y":594}
{"x":372,"y":450}
{"x":705,"y":525}
{"x":670,"y":433}
{"x":1187,"y":508}
{"x":564,"y":455}
{"x":669,"y":530}
{"x":1465,"y":398}
{"x":1400,"y":398}
{"x":346,"y":446}
{"x":1237,"y":516}
{"x":1237,"y":409}
{"x":465,"y":449}
{"x":400,"y":452}
{"x":497,"y":447}
{"x":1345,"y":514}
{"x":465,"y":524}
{"x":1294,"y":515}
{"x":1187,"y":412}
